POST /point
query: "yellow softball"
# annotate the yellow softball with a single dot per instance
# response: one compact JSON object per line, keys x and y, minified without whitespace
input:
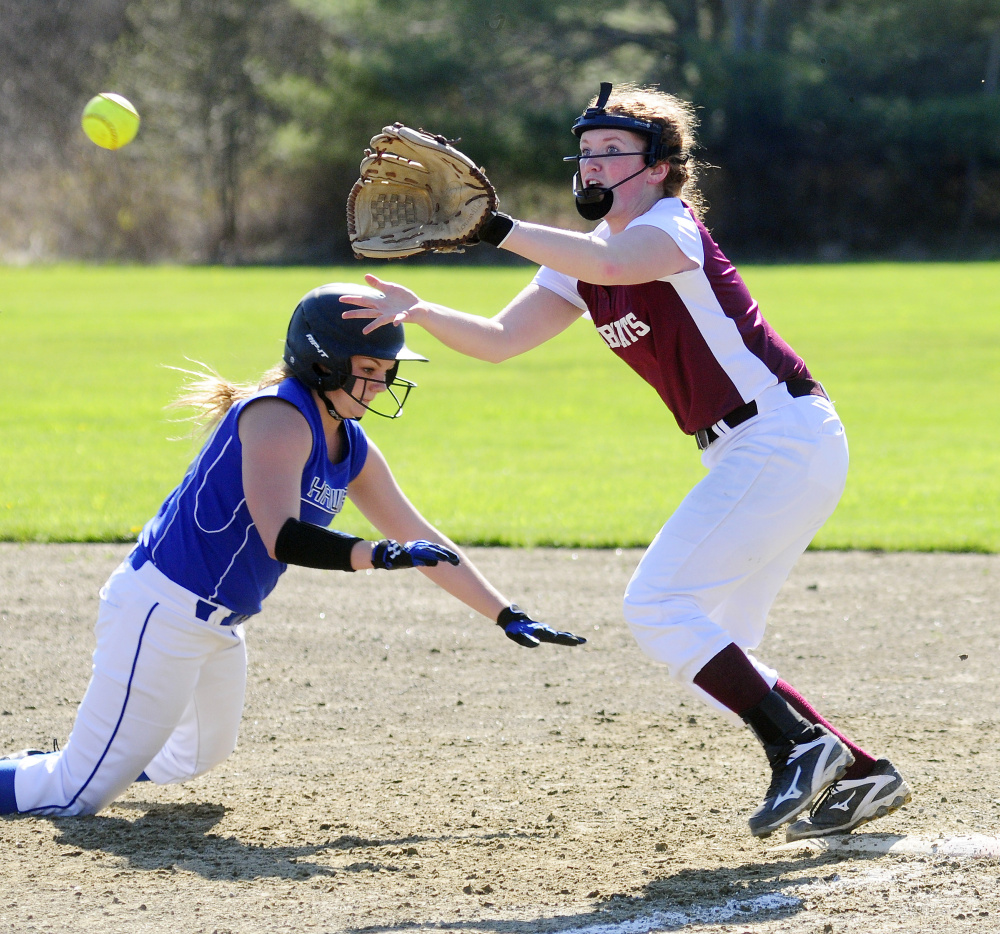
{"x":110,"y":120}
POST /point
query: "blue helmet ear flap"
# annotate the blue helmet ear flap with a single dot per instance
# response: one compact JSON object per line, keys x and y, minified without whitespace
{"x":332,"y":374}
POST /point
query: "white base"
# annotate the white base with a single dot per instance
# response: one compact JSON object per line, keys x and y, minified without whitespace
{"x":972,"y":845}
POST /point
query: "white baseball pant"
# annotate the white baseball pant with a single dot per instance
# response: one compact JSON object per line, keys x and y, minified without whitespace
{"x":710,"y":576}
{"x":165,"y":697}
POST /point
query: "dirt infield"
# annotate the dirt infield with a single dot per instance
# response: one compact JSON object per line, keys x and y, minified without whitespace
{"x":403,"y":767}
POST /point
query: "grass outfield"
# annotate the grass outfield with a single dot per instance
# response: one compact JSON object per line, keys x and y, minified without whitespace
{"x":562,"y":446}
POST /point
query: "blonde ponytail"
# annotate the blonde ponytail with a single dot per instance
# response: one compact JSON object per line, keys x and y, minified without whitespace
{"x":212,"y":395}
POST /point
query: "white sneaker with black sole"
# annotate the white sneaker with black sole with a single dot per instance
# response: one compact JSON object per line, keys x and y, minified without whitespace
{"x":849,"y":804}
{"x":813,"y":764}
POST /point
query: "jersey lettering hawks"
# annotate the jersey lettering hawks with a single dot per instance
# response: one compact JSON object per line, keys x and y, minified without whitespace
{"x":325,"y":496}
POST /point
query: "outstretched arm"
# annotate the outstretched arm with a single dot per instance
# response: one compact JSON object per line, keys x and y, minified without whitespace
{"x":377,"y":495}
{"x":381,"y":501}
{"x":636,"y":254}
{"x":533,"y":317}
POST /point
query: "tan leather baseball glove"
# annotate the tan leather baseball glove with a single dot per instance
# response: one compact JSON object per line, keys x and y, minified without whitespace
{"x":416,"y":193}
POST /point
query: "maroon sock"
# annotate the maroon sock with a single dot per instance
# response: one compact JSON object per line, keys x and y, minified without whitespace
{"x":731,"y":678}
{"x":863,"y":761}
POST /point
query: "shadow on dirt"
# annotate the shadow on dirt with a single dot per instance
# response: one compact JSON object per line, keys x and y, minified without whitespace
{"x":179,"y":836}
{"x":751,"y":893}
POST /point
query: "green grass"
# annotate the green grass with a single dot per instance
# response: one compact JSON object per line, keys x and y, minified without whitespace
{"x":561,"y":446}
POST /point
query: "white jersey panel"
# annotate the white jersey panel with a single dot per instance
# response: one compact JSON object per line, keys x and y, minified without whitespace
{"x":670,"y":216}
{"x":747,"y":371}
{"x":564,"y":286}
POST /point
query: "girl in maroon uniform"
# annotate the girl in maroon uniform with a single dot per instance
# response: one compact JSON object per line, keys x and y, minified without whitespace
{"x":666,"y":299}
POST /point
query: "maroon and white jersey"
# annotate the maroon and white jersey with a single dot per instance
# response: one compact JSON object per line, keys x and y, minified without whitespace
{"x":697,"y":337}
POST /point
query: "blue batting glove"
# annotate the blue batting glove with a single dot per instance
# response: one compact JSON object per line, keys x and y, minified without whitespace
{"x":527,"y":632}
{"x":389,"y":555}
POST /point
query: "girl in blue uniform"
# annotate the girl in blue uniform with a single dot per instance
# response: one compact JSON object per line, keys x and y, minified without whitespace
{"x":166,"y":695}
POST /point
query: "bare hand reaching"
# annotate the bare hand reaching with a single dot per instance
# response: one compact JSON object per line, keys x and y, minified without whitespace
{"x":395,"y":307}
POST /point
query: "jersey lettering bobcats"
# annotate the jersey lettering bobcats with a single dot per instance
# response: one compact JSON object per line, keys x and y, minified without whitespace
{"x":624,"y":331}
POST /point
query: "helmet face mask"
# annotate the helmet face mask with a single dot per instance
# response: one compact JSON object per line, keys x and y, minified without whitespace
{"x":396,"y":388}
{"x":321,"y":343}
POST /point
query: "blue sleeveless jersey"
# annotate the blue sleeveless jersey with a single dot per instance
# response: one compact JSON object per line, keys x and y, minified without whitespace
{"x":203,"y":537}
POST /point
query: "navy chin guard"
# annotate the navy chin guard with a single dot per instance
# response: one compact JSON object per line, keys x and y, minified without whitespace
{"x":593,"y":203}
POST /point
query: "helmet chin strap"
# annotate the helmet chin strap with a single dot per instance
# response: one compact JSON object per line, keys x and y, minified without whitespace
{"x":329,"y":406}
{"x":348,"y":387}
{"x":594,"y":202}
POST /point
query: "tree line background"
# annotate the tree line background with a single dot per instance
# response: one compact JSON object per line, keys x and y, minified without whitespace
{"x":831,"y":129}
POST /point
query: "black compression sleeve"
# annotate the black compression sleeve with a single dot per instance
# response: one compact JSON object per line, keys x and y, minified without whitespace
{"x":312,"y":546}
